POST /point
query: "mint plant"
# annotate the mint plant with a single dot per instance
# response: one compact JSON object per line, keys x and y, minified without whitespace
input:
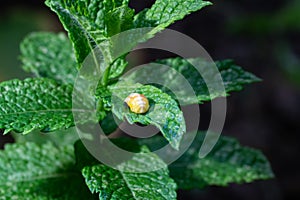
{"x":49,"y":162}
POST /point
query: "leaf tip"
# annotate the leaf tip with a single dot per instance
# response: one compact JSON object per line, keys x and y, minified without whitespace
{"x":6,"y":131}
{"x":208,"y":3}
{"x":175,"y":145}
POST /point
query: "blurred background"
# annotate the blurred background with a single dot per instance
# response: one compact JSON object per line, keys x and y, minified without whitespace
{"x":261,"y":36}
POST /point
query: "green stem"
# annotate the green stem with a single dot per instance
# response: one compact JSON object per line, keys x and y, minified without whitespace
{"x":106,"y":76}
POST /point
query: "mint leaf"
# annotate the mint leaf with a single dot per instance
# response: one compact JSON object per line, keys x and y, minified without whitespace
{"x":233,"y":76}
{"x":228,"y":162}
{"x":118,"y":67}
{"x":103,"y":95}
{"x":118,"y":19}
{"x":58,"y":138}
{"x":164,"y":111}
{"x":152,"y":20}
{"x":91,"y":22}
{"x":165,"y":12}
{"x":35,"y":104}
{"x":49,"y":55}
{"x":30,"y":171}
{"x":133,"y":184}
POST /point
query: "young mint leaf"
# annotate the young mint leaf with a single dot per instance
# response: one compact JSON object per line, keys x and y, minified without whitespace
{"x":233,"y":76}
{"x":133,"y":184}
{"x":103,"y":95}
{"x":152,"y":20}
{"x":49,"y":55}
{"x":164,"y":111}
{"x":228,"y":162}
{"x":165,"y":12}
{"x":30,"y":171}
{"x":35,"y":104}
{"x":118,"y":67}
{"x":118,"y":19}
{"x":91,"y":22}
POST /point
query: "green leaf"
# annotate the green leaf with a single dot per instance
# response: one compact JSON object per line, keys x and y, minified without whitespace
{"x":152,"y":20}
{"x":228,"y":162}
{"x":58,"y":138}
{"x":165,"y":12}
{"x":133,"y":184}
{"x":118,"y":67}
{"x":164,"y":112}
{"x":29,"y":171}
{"x":35,"y":104}
{"x":49,"y":55}
{"x":103,"y":95}
{"x":233,"y":76}
{"x":118,"y":19}
{"x":91,"y":22}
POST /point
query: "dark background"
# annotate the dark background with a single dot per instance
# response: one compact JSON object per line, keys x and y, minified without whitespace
{"x":261,"y":36}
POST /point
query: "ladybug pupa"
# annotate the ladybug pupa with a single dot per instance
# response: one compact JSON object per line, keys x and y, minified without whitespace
{"x":137,"y":103}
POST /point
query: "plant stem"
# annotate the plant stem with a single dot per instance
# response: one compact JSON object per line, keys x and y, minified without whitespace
{"x":106,"y":76}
